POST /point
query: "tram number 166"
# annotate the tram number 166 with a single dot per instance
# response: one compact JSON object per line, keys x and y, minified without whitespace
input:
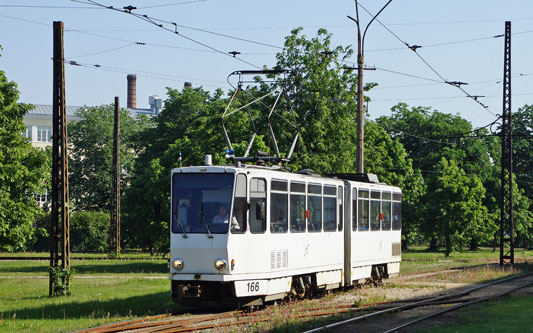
{"x":249,"y":288}
{"x":252,"y":286}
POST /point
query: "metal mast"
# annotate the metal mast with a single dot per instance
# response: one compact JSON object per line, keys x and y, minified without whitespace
{"x":360,"y":168}
{"x":506,"y":200}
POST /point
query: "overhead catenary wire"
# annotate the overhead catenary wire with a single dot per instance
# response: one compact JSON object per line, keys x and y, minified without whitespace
{"x":155,"y":75}
{"x":93,"y":8}
{"x":187,"y":27}
{"x":93,"y":34}
{"x":148,"y":19}
{"x":103,"y":51}
{"x":414,"y":48}
{"x":171,"y":4}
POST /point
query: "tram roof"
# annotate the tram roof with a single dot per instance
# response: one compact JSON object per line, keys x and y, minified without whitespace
{"x":275,"y":169}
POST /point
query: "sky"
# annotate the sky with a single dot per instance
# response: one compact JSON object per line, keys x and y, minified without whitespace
{"x":457,"y":38}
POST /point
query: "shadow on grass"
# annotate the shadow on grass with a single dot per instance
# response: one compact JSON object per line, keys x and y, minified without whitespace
{"x":136,"y":306}
{"x":93,"y":268}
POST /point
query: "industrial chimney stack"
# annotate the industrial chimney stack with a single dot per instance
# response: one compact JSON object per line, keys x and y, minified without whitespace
{"x":132,"y":91}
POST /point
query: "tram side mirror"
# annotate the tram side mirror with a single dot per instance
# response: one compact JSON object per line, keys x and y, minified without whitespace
{"x":259,"y":211}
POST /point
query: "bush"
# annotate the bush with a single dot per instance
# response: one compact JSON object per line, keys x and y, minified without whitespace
{"x":89,"y":231}
{"x":42,"y":234}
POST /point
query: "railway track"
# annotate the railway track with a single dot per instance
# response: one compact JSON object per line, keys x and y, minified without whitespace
{"x":455,"y":301}
{"x":322,"y":308}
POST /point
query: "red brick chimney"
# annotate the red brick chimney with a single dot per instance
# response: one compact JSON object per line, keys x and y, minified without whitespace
{"x":132,"y":91}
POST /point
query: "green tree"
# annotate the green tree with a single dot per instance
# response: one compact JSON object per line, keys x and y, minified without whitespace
{"x":89,"y":231}
{"x":456,"y":212}
{"x":91,"y":155}
{"x":387,"y":158}
{"x":428,"y":136}
{"x":523,"y":148}
{"x":189,"y":124}
{"x":322,"y":96}
{"x":23,"y":172}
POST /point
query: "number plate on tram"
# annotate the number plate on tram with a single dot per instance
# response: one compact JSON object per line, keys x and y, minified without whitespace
{"x":251,"y":287}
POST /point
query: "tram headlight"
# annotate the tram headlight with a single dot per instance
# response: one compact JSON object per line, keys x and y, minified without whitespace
{"x":220,"y":264}
{"x":177,"y":264}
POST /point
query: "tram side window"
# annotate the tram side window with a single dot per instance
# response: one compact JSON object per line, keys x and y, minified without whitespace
{"x":354,"y":210}
{"x":314,"y":205}
{"x":396,"y":211}
{"x":340,"y":200}
{"x":363,"y":210}
{"x":257,"y":205}
{"x":375,"y":216}
{"x":386,"y":210}
{"x":297,"y":204}
{"x":238,"y":224}
{"x":278,"y":207}
{"x":330,"y":208}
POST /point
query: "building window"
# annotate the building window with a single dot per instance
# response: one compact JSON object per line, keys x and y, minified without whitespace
{"x":27,"y":132}
{"x":44,"y":197}
{"x":44,"y":134}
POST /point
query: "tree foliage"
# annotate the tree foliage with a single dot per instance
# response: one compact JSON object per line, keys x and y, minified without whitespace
{"x":523,"y":148}
{"x":429,"y":136}
{"x":322,"y":96}
{"x":456,"y":212}
{"x":89,"y":231}
{"x":91,"y":155}
{"x":22,"y":172}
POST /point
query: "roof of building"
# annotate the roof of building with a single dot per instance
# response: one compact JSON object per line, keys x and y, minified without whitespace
{"x":42,"y":109}
{"x":47,"y":109}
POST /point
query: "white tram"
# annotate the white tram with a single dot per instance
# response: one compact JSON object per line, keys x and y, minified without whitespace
{"x":248,"y":234}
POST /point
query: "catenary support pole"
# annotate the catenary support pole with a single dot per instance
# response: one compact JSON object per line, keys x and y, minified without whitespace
{"x":360,"y":167}
{"x":114,"y":236}
{"x":506,"y":200}
{"x":59,"y":233}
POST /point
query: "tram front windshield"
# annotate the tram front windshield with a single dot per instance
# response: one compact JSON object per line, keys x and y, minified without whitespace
{"x":201,"y":203}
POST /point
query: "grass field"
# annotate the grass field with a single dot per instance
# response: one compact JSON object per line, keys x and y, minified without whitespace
{"x":509,"y":314}
{"x":102,"y":292}
{"x":417,"y":259}
{"x":118,"y":290}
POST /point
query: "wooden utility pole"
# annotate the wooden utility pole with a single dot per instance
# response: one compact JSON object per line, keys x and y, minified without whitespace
{"x":59,"y":233}
{"x":114,"y":228}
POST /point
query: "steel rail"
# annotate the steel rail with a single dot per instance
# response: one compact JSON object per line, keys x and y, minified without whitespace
{"x":186,"y":324}
{"x":122,"y":323}
{"x":417,"y":304}
{"x":456,"y":307}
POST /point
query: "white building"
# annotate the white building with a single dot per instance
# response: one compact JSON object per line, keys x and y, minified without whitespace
{"x":38,"y":123}
{"x":38,"y":120}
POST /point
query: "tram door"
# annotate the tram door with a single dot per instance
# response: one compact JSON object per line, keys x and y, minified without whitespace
{"x":348,"y":232}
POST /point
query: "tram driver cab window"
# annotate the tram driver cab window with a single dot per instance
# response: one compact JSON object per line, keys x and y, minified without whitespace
{"x":239,"y":205}
{"x":257,"y":206}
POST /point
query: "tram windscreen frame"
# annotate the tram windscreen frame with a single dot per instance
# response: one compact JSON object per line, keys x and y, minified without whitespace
{"x":198,"y":201}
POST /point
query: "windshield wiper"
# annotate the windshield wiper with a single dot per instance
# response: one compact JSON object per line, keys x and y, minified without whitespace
{"x":182,"y":228}
{"x":209,"y":234}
